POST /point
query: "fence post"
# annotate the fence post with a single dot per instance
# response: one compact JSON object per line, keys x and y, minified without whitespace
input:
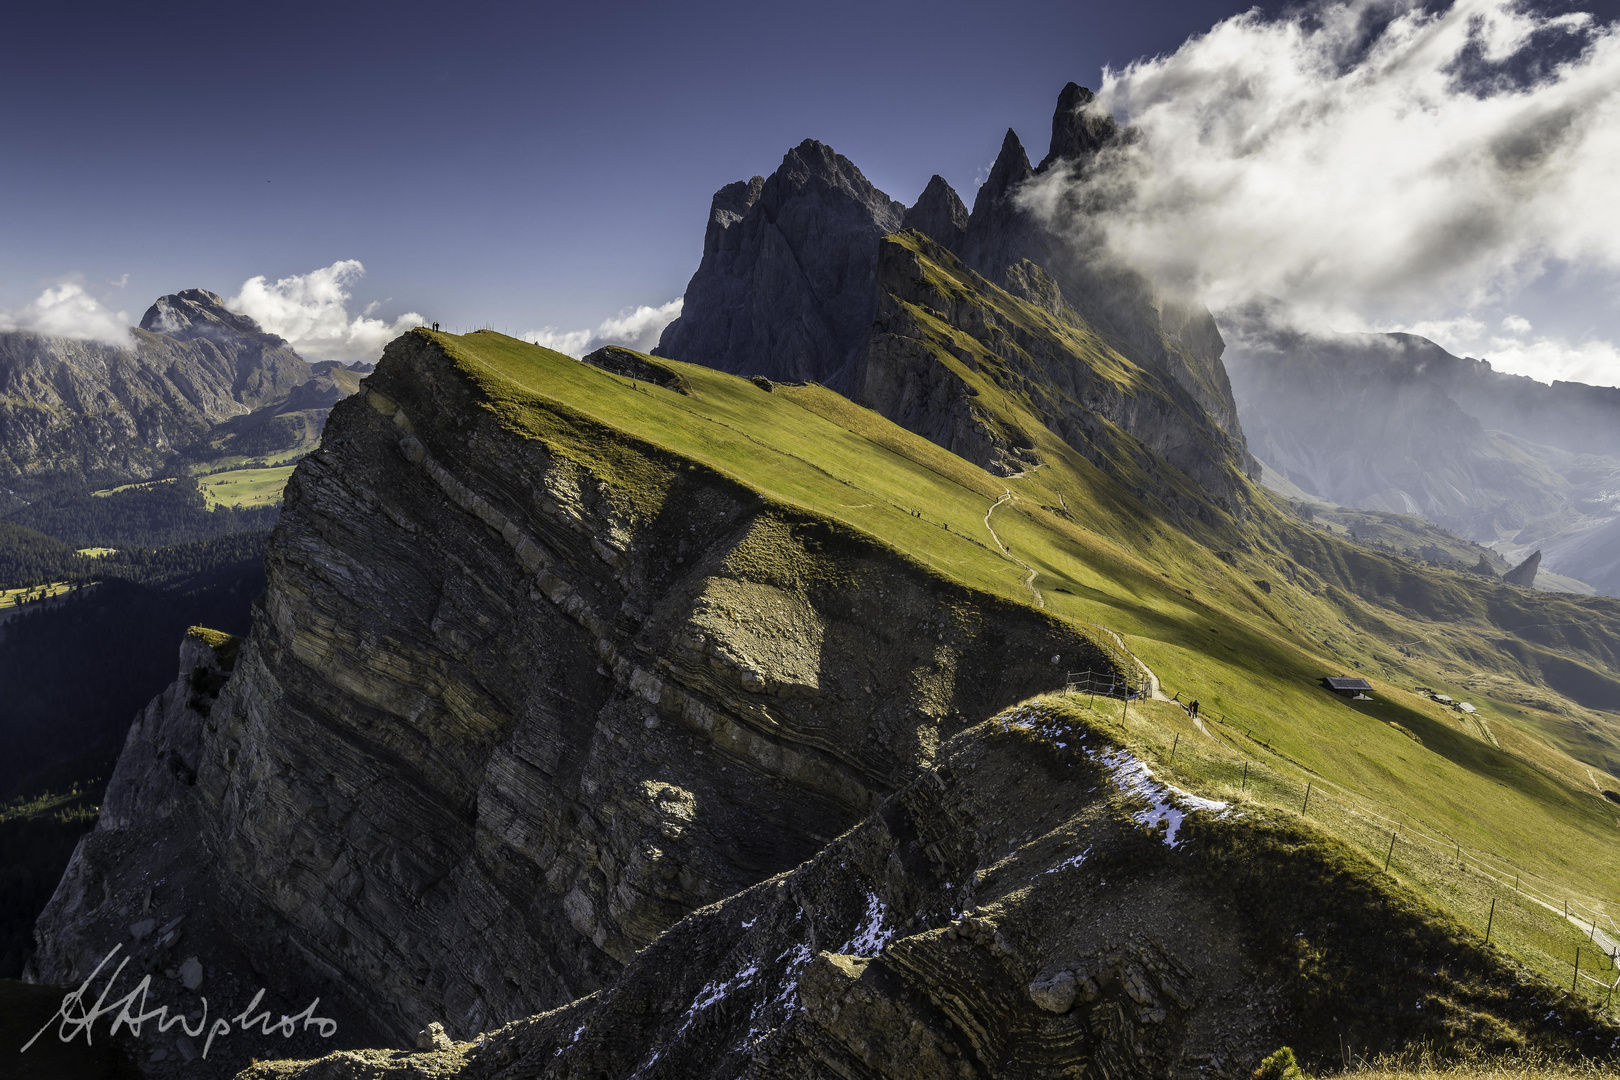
{"x":1391,"y":853}
{"x":1173,"y":746}
{"x":1307,"y":807}
{"x":1489,"y":922}
{"x":1577,"y":974}
{"x":1245,"y":786}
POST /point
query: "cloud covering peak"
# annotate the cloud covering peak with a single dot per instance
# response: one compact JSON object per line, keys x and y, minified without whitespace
{"x":1375,"y":163}
{"x":311,"y":312}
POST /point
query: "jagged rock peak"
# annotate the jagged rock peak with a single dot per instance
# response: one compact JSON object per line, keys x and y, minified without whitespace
{"x":731,"y":204}
{"x":1011,"y":169}
{"x":815,"y":164}
{"x":939,"y":214}
{"x":1525,"y":573}
{"x":198,"y":313}
{"x":785,"y":286}
{"x":1077,"y":131}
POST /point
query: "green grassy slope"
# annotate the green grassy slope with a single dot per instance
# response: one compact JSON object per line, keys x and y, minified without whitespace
{"x":1193,"y":609}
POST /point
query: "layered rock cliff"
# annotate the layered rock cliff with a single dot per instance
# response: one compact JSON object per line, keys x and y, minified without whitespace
{"x":87,"y":411}
{"x":1037,"y":905}
{"x":520,"y":694}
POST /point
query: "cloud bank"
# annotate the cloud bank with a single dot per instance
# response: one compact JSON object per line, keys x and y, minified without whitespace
{"x":311,"y":312}
{"x":1369,"y":162}
{"x":637,"y":329}
{"x":66,"y":310}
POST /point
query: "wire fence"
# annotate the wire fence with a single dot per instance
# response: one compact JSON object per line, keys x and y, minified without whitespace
{"x":1100,"y":684}
{"x":1484,"y":890}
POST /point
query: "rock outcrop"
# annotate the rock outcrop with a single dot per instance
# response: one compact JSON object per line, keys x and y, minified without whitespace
{"x":1524,"y":575}
{"x":1035,"y":905}
{"x":939,"y":215}
{"x":518,"y":698}
{"x":77,"y":411}
{"x":784,"y":287}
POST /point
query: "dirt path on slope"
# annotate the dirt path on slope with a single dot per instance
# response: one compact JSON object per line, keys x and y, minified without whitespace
{"x":1029,"y":581}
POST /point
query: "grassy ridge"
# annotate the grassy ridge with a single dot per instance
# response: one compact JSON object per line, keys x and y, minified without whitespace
{"x":1250,"y":654}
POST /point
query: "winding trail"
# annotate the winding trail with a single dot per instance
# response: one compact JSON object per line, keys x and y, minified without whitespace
{"x":1029,"y":581}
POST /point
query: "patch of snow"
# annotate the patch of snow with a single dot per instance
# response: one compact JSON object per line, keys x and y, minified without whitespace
{"x":871,"y":937}
{"x":715,"y":992}
{"x":571,"y":1042}
{"x":1166,"y":803}
{"x":1070,"y":863}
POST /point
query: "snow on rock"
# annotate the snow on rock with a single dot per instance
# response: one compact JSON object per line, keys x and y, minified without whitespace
{"x":871,"y":937}
{"x":1166,"y":804}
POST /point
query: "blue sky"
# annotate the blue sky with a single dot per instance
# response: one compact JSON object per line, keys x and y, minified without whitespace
{"x":512,"y":165}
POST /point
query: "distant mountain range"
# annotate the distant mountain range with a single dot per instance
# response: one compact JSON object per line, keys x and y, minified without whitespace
{"x":1394,"y":422}
{"x":196,"y":381}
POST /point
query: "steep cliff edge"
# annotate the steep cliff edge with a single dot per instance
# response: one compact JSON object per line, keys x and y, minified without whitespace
{"x":1037,"y":905}
{"x":524,"y":690}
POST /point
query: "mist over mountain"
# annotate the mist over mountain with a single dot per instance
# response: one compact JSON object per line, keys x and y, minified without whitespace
{"x":1394,"y":422}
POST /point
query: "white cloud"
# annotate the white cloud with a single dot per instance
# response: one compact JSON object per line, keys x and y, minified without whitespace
{"x":66,"y":310}
{"x":311,"y":312}
{"x":1543,"y":357}
{"x":637,"y":329}
{"x":1369,"y":176}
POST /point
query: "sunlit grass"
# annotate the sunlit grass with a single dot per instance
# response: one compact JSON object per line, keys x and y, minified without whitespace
{"x":243,"y":488}
{"x":1251,"y":656}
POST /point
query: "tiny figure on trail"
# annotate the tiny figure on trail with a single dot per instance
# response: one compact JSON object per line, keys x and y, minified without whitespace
{"x":1192,"y":710}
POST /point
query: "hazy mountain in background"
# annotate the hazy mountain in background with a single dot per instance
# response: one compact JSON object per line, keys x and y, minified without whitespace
{"x":1393,"y":422}
{"x":87,"y":411}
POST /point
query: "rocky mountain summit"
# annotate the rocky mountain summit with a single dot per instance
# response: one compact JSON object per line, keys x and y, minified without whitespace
{"x":1394,"y":422}
{"x":790,"y":279}
{"x":84,"y":411}
{"x":784,"y":289}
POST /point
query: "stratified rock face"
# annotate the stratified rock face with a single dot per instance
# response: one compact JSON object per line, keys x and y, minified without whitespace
{"x":85,"y":410}
{"x":784,"y":288}
{"x":939,"y":215}
{"x":1020,"y":912}
{"x":1524,"y":575}
{"x":514,"y":705}
{"x":140,"y":882}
